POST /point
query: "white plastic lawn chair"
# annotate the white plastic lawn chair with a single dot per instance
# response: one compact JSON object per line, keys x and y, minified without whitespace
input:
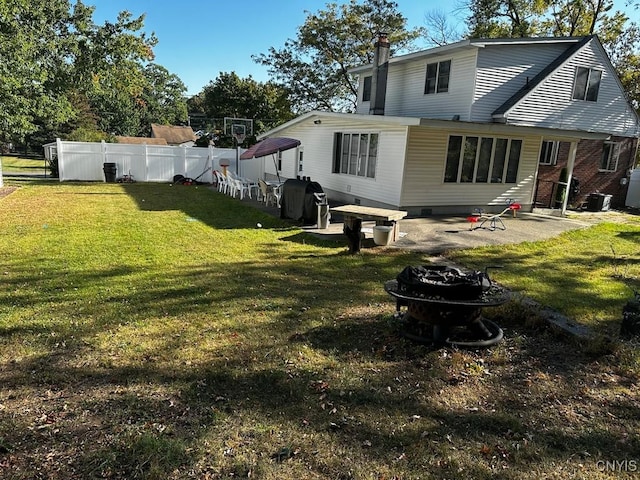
{"x":270,"y":196}
{"x":223,"y":184}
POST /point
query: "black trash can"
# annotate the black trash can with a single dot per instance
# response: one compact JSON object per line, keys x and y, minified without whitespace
{"x":109,"y":172}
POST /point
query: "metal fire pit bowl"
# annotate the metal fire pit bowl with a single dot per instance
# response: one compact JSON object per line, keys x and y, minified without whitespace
{"x":435,"y":319}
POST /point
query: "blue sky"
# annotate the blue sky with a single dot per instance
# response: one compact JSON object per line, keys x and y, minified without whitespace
{"x":198,"y":40}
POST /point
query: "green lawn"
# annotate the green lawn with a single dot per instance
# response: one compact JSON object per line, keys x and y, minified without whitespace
{"x":157,"y":332}
{"x":586,"y":274}
{"x":23,"y":165}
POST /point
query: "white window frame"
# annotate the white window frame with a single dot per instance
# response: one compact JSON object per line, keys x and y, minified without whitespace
{"x":300,"y":156}
{"x":356,"y":163}
{"x":609,"y":155}
{"x":279,"y":160}
{"x":583,"y":95}
{"x":549,"y":152}
{"x":490,"y":179}
{"x":437,"y":87}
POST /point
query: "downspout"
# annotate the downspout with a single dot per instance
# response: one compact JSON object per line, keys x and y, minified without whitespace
{"x":570,"y":165}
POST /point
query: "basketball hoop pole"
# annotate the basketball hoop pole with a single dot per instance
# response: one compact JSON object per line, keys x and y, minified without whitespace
{"x":237,"y":155}
{"x":239,"y":138}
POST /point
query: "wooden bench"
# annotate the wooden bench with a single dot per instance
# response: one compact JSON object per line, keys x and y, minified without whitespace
{"x":354,"y":214}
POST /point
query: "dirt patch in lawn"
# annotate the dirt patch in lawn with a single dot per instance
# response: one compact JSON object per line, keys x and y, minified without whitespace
{"x":4,"y":191}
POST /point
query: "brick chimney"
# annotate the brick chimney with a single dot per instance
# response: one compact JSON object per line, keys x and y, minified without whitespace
{"x":379,"y":75}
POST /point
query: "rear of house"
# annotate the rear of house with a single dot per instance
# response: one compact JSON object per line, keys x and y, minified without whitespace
{"x":471,"y":125}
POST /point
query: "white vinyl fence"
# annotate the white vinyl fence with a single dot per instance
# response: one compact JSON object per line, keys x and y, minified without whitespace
{"x":84,"y":161}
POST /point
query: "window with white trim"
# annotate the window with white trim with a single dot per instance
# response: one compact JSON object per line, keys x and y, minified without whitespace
{"x":549,"y":153}
{"x":473,"y":159}
{"x":300,"y":158}
{"x":586,"y":84}
{"x":279,"y":160}
{"x":355,"y":154}
{"x":610,"y":155}
{"x":366,"y":89}
{"x":437,"y":80}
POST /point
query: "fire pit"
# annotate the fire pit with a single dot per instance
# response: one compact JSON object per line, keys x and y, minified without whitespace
{"x":444,"y":305}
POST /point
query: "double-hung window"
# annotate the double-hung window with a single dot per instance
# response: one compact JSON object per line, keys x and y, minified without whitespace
{"x":610,"y":155}
{"x":586,"y":84}
{"x":437,"y":77}
{"x":549,"y":153}
{"x":356,"y":154}
{"x":473,"y":159}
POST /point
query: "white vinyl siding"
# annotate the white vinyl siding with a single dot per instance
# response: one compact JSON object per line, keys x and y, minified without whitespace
{"x":318,"y":158}
{"x":406,"y":82}
{"x":550,"y":104}
{"x":503,"y":70}
{"x":424,"y":174}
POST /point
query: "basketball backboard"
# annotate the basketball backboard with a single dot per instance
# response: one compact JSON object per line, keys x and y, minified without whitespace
{"x":238,"y":126}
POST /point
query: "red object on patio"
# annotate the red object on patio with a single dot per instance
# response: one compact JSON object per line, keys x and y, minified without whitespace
{"x":514,"y":208}
{"x":472,"y":219}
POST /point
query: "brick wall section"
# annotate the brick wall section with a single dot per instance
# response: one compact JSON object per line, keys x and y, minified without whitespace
{"x":586,"y":170}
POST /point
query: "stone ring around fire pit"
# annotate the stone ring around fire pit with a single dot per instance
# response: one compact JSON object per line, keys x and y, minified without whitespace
{"x":444,"y":306}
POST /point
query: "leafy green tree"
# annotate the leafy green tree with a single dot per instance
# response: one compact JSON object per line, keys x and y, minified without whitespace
{"x":63,"y":75}
{"x":34,"y":43}
{"x":108,"y":67}
{"x":314,"y":66}
{"x":505,"y":18}
{"x":163,"y":97}
{"x":231,"y":96}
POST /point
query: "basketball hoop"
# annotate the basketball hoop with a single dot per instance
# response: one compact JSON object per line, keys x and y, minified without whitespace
{"x":239,"y":132}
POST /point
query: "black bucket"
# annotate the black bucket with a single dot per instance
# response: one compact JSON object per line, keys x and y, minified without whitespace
{"x":109,"y":172}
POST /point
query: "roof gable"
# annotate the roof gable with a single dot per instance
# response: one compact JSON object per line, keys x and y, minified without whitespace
{"x":547,"y":100}
{"x":538,"y":79}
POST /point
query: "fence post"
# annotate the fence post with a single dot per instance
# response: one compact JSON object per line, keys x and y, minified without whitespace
{"x":184,"y":161}
{"x":103,"y":146}
{"x":146,"y":163}
{"x":59,"y":154}
{"x":210,"y":157}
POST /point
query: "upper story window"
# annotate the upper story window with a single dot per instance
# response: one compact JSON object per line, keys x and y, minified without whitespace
{"x":587,"y":84}
{"x":356,"y":154}
{"x":549,"y":153}
{"x":610,"y":155}
{"x":437,"y":77}
{"x":366,"y":89}
{"x":482,"y":160}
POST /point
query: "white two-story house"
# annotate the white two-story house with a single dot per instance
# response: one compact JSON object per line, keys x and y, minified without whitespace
{"x":477,"y":123}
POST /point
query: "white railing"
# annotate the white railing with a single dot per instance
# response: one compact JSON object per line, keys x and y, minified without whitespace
{"x":84,"y":161}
